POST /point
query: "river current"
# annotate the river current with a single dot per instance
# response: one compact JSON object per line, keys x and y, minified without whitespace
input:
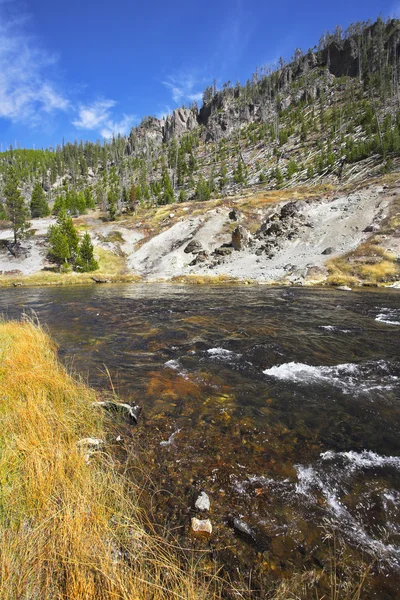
{"x":282,"y":404}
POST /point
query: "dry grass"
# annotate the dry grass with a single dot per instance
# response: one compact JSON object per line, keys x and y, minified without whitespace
{"x":369,"y":264}
{"x":70,"y":528}
{"x":207,"y":280}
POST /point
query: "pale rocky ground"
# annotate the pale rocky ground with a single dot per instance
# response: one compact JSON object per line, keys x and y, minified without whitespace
{"x":331,"y":223}
{"x":337,"y":223}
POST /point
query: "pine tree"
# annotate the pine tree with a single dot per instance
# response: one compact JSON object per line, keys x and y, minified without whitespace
{"x":63,"y":240}
{"x":168,"y":192}
{"x":86,"y":261}
{"x":39,"y":205}
{"x":88,"y":197}
{"x":16,"y":210}
{"x":59,"y":250}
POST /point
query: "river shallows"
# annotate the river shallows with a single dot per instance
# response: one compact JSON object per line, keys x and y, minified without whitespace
{"x":283,"y":404}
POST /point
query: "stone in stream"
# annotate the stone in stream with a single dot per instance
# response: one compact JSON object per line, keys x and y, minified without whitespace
{"x":241,"y":527}
{"x":132,"y":412}
{"x":202,"y":527}
{"x":202,"y":502}
{"x":328,"y":251}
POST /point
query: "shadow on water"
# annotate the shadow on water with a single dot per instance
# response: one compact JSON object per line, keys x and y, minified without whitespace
{"x":283,"y":404}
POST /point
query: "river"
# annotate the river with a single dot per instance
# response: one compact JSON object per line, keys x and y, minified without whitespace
{"x":283,"y":404}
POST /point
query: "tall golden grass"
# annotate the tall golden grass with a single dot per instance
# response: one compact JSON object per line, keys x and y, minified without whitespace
{"x":71,"y":528}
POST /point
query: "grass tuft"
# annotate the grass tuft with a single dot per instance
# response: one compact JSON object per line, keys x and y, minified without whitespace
{"x":70,"y":524}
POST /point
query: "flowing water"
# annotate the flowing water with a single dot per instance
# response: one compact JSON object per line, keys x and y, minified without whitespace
{"x":282,"y":404}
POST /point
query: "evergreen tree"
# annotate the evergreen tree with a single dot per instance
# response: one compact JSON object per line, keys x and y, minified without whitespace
{"x":89,"y":201}
{"x":86,"y":261}
{"x":59,"y":250}
{"x":16,"y":210}
{"x":202,"y":190}
{"x":39,"y":205}
{"x":167,"y":191}
{"x":63,"y":239}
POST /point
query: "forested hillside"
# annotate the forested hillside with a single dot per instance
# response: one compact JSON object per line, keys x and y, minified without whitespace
{"x":331,"y":113}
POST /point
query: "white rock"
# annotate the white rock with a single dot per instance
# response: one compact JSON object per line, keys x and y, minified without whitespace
{"x":89,"y":442}
{"x":343,"y":288}
{"x":199,"y":526}
{"x":202,"y":502}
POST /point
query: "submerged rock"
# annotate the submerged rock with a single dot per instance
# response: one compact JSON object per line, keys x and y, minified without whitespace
{"x":132,"y":412}
{"x":202,"y":502}
{"x":202,"y":527}
{"x":241,"y":527}
{"x":328,"y":251}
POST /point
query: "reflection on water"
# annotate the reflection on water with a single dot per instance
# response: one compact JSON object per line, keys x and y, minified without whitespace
{"x":283,"y":404}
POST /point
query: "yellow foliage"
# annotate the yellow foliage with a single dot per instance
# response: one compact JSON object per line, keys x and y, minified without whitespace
{"x":70,"y":527}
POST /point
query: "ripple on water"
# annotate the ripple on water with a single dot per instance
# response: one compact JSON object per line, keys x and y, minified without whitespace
{"x":349,"y":377}
{"x":334,"y":477}
{"x":390,"y":316}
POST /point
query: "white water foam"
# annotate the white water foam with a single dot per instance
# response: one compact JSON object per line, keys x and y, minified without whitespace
{"x":335,"y":329}
{"x":175,"y":365}
{"x":171,"y":439}
{"x":390,"y":316}
{"x":333,"y":483}
{"x":350,"y":378}
{"x":363,"y":460}
{"x":222,"y":353}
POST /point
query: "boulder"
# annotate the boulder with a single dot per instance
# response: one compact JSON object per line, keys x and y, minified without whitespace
{"x":223,"y":251}
{"x":240,"y":238}
{"x":234,"y":214}
{"x":193,"y":247}
{"x":202,"y":257}
{"x":371,"y":229}
{"x":289,"y":210}
{"x":328,"y":251}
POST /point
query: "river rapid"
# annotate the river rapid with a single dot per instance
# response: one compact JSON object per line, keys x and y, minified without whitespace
{"x":282,"y":404}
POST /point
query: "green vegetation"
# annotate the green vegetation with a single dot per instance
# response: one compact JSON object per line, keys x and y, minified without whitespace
{"x":65,"y":248}
{"x":15,"y":207}
{"x":308,"y":119}
{"x":39,"y":205}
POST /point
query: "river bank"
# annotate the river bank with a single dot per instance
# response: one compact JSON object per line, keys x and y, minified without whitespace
{"x":304,"y":236}
{"x":72,"y":524}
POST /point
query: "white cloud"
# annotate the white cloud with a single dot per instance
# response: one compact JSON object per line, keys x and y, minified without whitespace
{"x":98,"y":117}
{"x":26,"y":91}
{"x":184,"y":86}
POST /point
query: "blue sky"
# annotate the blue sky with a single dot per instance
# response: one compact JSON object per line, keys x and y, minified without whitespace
{"x":85,"y":69}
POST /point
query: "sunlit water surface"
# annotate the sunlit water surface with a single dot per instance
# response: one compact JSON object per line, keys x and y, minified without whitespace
{"x":283,"y":404}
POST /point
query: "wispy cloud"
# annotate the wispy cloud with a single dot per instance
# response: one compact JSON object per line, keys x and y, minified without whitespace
{"x":98,"y":117}
{"x":184,"y":86}
{"x":27,"y":92}
{"x":233,"y":38}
